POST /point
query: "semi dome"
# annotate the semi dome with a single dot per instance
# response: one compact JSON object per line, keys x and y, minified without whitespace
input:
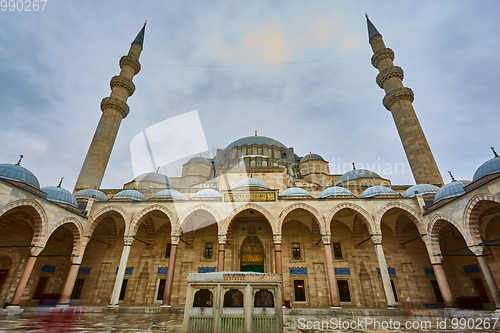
{"x":451,"y":190}
{"x":420,"y":189}
{"x":19,"y":174}
{"x":91,"y":194}
{"x":295,"y":192}
{"x":312,"y":157}
{"x":168,"y":194}
{"x":356,"y":174}
{"x":154,"y":177}
{"x":60,"y":195}
{"x":255,"y":140}
{"x":199,"y":159}
{"x":375,"y":191}
{"x":335,"y":191}
{"x":487,"y":168}
{"x":132,"y":195}
{"x":206,"y":194}
{"x":250,"y":182}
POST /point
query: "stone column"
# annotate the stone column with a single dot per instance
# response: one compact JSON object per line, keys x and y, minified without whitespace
{"x":127,"y":240}
{"x":444,"y":287}
{"x":167,"y":294}
{"x":70,"y":282}
{"x":485,"y":268}
{"x":386,"y":280}
{"x":247,"y":308}
{"x":14,"y":303}
{"x":332,"y":282}
{"x":222,"y":253}
{"x":279,"y":263}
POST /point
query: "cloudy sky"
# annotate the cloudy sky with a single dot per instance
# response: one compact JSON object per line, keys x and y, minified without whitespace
{"x":296,"y":71}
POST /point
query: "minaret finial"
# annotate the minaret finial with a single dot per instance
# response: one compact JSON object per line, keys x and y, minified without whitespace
{"x":60,"y":183}
{"x":255,"y":133}
{"x":492,"y":148}
{"x":372,"y":31}
{"x":140,"y":37}
{"x":452,"y":178}
{"x":354,"y":166}
{"x":366,"y":15}
{"x":21,"y":157}
{"x":157,"y":169}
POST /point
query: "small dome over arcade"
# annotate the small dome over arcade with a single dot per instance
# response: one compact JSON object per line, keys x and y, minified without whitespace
{"x":335,"y":191}
{"x":378,"y":191}
{"x":356,"y":174}
{"x":168,"y":195}
{"x":451,"y":190}
{"x":60,"y":195}
{"x":91,"y":194}
{"x":311,"y":157}
{"x":207,"y":193}
{"x":488,"y":168}
{"x":251,"y":183}
{"x":199,"y":159}
{"x":154,"y":177}
{"x":420,"y":189}
{"x":294,"y":192}
{"x":129,"y":195}
{"x":16,"y":173}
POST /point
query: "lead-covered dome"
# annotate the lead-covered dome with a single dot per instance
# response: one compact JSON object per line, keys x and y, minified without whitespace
{"x":420,"y":189}
{"x":60,"y":195}
{"x":168,"y":195}
{"x":378,"y":190}
{"x":129,"y":195}
{"x":295,"y":192}
{"x":335,"y":191}
{"x":255,"y":140}
{"x":19,"y":174}
{"x":451,"y":190}
{"x":91,"y":194}
{"x":199,"y":159}
{"x":207,"y":193}
{"x":487,"y":168}
{"x":154,"y":177}
{"x":356,"y":174}
{"x":251,"y":183}
{"x":311,"y":157}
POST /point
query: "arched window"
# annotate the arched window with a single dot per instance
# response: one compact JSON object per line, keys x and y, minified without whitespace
{"x":264,"y":299}
{"x":233,"y":299}
{"x":203,"y":298}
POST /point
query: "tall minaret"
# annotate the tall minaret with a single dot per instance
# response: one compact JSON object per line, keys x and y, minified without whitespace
{"x":398,"y":100}
{"x":114,"y":109}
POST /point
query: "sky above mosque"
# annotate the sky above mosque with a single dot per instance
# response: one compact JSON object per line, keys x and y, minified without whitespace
{"x":295,"y":71}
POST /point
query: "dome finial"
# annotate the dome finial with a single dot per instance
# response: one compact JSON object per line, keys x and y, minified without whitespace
{"x":255,"y":133}
{"x":353,"y":166}
{"x":60,"y":183}
{"x":492,"y":148}
{"x":451,"y":175}
{"x":21,"y":157}
{"x":157,"y":169}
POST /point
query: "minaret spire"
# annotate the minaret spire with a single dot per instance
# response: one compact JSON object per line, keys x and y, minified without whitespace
{"x":398,"y":100}
{"x":114,"y":109}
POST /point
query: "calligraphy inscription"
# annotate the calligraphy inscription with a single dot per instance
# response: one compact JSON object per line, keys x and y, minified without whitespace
{"x":250,"y":197}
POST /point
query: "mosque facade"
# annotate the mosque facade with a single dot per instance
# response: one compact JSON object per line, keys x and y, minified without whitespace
{"x":337,"y":240}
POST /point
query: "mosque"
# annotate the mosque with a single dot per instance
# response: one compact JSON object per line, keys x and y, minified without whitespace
{"x":337,"y":240}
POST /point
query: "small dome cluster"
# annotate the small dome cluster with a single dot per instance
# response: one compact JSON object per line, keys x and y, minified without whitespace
{"x":129,"y":195}
{"x":207,"y":193}
{"x":376,"y":191}
{"x":420,"y":189}
{"x":487,"y":168}
{"x":451,"y":190}
{"x":356,"y":174}
{"x":91,"y":194}
{"x":199,"y":159}
{"x":155,"y":177}
{"x":311,"y":157}
{"x":168,"y":195}
{"x":59,"y":195}
{"x":19,"y":174}
{"x":295,"y":192}
{"x":250,"y":182}
{"x":335,"y":191}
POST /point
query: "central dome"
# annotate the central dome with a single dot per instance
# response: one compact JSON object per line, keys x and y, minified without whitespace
{"x":256,"y":140}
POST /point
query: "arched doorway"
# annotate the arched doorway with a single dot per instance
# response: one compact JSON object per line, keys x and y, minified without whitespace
{"x":252,"y":254}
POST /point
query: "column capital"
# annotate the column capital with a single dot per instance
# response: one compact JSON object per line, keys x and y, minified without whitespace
{"x":377,"y":239}
{"x":222,"y":239}
{"x":277,"y":239}
{"x":175,"y":239}
{"x":76,"y":260}
{"x":478,"y":250}
{"x":36,"y":250}
{"x":326,"y":239}
{"x":127,"y":240}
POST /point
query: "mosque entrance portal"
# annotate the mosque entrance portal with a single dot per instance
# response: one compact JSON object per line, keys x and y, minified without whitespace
{"x":252,"y":255}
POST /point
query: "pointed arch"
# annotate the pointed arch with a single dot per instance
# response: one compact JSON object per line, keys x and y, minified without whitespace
{"x":76,"y":228}
{"x":94,"y":220}
{"x":269,"y":217}
{"x":134,"y":225}
{"x":435,"y":226}
{"x":40,"y":221}
{"x":300,"y":205}
{"x":204,"y":207}
{"x":471,"y":216}
{"x":366,"y":217}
